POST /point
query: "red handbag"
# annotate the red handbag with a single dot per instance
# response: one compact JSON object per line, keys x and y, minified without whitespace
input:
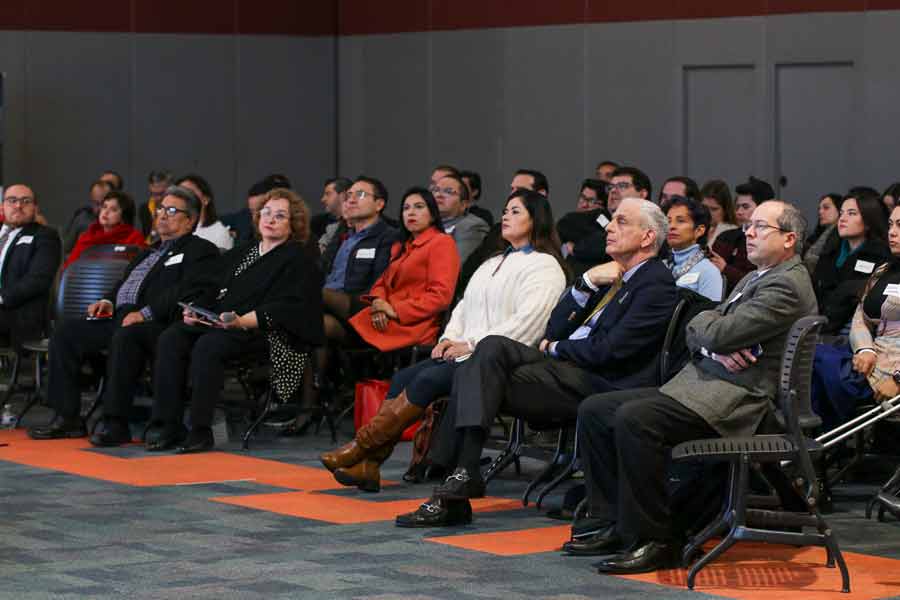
{"x":368,"y":396}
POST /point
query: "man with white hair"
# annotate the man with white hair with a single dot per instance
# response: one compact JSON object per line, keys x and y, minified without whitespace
{"x":604,"y":334}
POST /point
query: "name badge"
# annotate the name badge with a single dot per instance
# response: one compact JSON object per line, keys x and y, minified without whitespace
{"x":864,"y":266}
{"x":449,"y":230}
{"x":602,"y":221}
{"x":688,"y":279}
{"x":365,"y":253}
{"x":175,"y":260}
{"x":119,"y":249}
{"x":892,"y":289}
{"x":25,"y":239}
{"x":736,"y":296}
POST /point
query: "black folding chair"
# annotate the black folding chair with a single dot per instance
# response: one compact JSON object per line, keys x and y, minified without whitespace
{"x":770,"y":526}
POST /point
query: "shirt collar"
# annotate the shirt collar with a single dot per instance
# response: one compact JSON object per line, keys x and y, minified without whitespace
{"x":627,"y":275}
{"x":679,"y":256}
{"x":526,"y":249}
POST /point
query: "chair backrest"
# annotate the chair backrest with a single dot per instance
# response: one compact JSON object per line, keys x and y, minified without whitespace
{"x":112,"y":251}
{"x":674,"y":353}
{"x":671,"y":330}
{"x":796,"y":375}
{"x":85,"y":281}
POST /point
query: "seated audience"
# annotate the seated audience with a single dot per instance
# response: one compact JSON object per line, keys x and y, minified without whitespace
{"x":717,"y":199}
{"x":85,"y":215}
{"x":406,"y":303}
{"x":605,"y":334}
{"x":589,"y":217}
{"x":114,"y":225}
{"x":846,"y":375}
{"x":827,"y":228}
{"x":510,"y":295}
{"x":126,"y":324}
{"x":626,"y":438}
{"x":605,"y":169}
{"x":473,"y":183}
{"x":268,"y":298}
{"x":688,"y":220}
{"x":324,"y":226}
{"x":849,"y":259}
{"x":157,"y":184}
{"x":241,"y":222}
{"x":729,"y":253}
{"x":114,"y":180}
{"x":891,"y":196}
{"x":591,"y":196}
{"x":29,"y":257}
{"x":677,"y":186}
{"x":467,"y":230}
{"x":209,"y":227}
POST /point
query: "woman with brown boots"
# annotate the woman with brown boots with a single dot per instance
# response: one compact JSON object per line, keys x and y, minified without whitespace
{"x":511,"y":294}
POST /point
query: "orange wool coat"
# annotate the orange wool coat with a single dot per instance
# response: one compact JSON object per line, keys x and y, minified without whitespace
{"x":419,"y":284}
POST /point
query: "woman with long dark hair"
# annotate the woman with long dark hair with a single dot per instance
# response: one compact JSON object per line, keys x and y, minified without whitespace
{"x":114,"y":225}
{"x":511,"y":294}
{"x":850,"y":258}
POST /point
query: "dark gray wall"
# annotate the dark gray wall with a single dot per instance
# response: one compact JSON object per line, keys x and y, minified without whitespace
{"x":232,"y":108}
{"x":715,"y":98}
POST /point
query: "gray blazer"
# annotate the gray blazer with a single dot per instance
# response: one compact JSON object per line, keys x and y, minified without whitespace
{"x":468,"y":233}
{"x":758,"y":311}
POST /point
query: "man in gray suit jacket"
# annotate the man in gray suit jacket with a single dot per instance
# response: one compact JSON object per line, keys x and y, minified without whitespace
{"x":727,"y":390}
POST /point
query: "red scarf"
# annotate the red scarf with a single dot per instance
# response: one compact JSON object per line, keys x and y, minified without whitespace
{"x":95,"y":235}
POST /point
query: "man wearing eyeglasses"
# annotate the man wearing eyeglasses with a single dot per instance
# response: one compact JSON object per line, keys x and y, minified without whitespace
{"x":452,"y":198}
{"x":29,"y":257}
{"x":626,"y":438}
{"x":127,"y":323}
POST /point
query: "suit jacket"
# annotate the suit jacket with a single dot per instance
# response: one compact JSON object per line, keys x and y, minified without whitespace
{"x":284,"y":287}
{"x":468,"y":233}
{"x":165,"y":285}
{"x":419,"y":284}
{"x":26,"y":280}
{"x":364,"y":267}
{"x":759,"y":311}
{"x":623,"y":346}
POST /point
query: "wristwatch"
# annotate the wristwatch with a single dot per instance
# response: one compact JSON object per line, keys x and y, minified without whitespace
{"x":896,"y":377}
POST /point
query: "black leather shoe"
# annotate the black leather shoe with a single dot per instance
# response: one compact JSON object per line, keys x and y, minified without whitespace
{"x":438,"y":512}
{"x":644,"y":558}
{"x":166,"y":437}
{"x":200,"y":439}
{"x":111,"y":434}
{"x":460,"y":486}
{"x":604,"y":542}
{"x":59,"y":428}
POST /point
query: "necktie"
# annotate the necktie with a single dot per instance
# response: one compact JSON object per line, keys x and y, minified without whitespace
{"x":610,"y":293}
{"x":4,"y":239}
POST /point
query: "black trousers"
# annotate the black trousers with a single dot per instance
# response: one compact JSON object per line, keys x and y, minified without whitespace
{"x":424,"y":382}
{"x":130,"y":348}
{"x":504,"y":373}
{"x":625,"y":439}
{"x":198,"y":353}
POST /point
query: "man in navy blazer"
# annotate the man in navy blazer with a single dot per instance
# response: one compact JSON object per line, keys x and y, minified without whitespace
{"x":604,"y":334}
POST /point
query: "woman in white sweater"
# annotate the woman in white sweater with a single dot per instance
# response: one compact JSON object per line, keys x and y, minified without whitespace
{"x":511,"y":294}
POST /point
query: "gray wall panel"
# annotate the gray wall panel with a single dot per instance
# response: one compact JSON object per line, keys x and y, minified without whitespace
{"x":879,"y":143}
{"x":78,"y":114}
{"x":285,"y":124}
{"x":12,"y":65}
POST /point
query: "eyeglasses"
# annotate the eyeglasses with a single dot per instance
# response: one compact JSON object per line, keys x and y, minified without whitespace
{"x":622,"y":185}
{"x":21,"y":201}
{"x":589,"y":199}
{"x":170,"y":211}
{"x":445,"y":191}
{"x":268,"y":213}
{"x":761,"y":226}
{"x":360,"y":194}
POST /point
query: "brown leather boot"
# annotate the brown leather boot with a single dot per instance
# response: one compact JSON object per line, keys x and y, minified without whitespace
{"x":351,"y":453}
{"x":366,"y":474}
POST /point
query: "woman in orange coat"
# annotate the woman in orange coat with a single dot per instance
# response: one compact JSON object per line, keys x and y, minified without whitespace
{"x":113,"y":226}
{"x":407,"y":301}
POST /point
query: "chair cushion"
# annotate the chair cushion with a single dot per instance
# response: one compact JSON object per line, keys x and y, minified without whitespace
{"x":760,"y":448}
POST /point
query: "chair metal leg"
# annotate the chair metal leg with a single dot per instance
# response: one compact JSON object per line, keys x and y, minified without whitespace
{"x":509,"y":454}
{"x":715,"y":527}
{"x":267,"y":407}
{"x":547,"y":473}
{"x":13,"y":379}
{"x":95,"y":403}
{"x":567,"y":471}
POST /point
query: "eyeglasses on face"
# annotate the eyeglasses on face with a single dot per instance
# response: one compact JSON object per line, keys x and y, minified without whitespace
{"x":20,"y":200}
{"x":361,"y":194}
{"x":620,"y":185}
{"x":279,"y":216}
{"x":170,"y":211}
{"x":762,"y":226}
{"x":445,"y":191}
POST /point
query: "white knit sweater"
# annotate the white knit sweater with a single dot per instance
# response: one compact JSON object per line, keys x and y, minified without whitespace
{"x":515,"y":302}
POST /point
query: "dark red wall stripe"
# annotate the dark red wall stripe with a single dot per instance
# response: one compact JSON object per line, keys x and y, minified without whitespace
{"x":358,"y":17}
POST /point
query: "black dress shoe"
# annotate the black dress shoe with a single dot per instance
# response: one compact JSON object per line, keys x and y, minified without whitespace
{"x":644,"y":558}
{"x":59,"y":428}
{"x":165,"y":438}
{"x":460,"y":486}
{"x":111,"y":434}
{"x":200,"y":439}
{"x":602,"y":543}
{"x":438,"y":512}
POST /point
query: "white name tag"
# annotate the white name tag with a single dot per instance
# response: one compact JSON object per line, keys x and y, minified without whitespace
{"x":119,"y":249}
{"x":175,"y":260}
{"x":864,"y":266}
{"x":449,"y":230}
{"x":892,"y":289}
{"x":736,"y":296}
{"x":25,"y":239}
{"x":365,"y":253}
{"x":688,"y":279}
{"x":602,"y":221}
